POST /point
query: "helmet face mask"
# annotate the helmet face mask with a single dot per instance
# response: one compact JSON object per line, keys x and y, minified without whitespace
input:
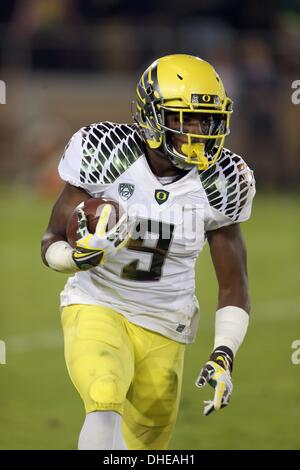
{"x":163,"y":92}
{"x":211,"y":131}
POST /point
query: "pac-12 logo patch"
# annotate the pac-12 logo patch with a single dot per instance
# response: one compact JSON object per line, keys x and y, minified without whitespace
{"x":126,"y":190}
{"x":161,"y":195}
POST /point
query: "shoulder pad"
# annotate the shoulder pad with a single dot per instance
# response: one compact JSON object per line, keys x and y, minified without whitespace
{"x":108,"y":150}
{"x":229,"y":185}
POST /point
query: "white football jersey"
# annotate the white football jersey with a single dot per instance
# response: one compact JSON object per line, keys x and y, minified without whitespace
{"x":152,"y":280}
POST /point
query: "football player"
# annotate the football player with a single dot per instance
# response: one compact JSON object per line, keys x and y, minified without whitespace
{"x":129,"y":309}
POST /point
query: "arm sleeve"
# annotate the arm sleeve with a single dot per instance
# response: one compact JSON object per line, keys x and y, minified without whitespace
{"x":71,"y":161}
{"x":230,"y":189}
{"x":78,"y":165}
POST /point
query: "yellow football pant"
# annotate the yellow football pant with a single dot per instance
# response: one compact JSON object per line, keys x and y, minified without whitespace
{"x":118,"y":366}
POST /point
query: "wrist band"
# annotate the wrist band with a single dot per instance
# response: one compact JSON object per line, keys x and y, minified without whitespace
{"x":230,"y":327}
{"x":59,"y":257}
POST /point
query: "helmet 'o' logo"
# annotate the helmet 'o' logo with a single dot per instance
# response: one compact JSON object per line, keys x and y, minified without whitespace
{"x":206,"y":98}
{"x":161,"y":195}
{"x":198,"y":99}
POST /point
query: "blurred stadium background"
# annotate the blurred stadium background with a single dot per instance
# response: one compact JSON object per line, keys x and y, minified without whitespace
{"x":69,"y":63}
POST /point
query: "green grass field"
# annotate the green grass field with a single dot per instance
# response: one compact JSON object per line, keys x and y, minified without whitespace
{"x":39,"y":409}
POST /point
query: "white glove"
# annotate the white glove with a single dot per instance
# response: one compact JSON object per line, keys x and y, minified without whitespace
{"x":94,"y":249}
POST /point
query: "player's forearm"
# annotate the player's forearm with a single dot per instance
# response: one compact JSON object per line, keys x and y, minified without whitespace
{"x":232,"y":316}
{"x":235,"y":294}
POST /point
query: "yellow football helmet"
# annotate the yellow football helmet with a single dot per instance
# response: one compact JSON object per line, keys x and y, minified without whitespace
{"x":182,"y":84}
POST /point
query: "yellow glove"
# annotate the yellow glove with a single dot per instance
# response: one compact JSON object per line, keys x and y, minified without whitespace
{"x":94,"y":249}
{"x":216,"y":373}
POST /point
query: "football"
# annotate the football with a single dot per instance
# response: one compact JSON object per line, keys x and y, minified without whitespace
{"x":92,"y":209}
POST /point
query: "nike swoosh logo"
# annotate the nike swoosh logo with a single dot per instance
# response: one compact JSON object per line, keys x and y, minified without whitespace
{"x":86,"y":255}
